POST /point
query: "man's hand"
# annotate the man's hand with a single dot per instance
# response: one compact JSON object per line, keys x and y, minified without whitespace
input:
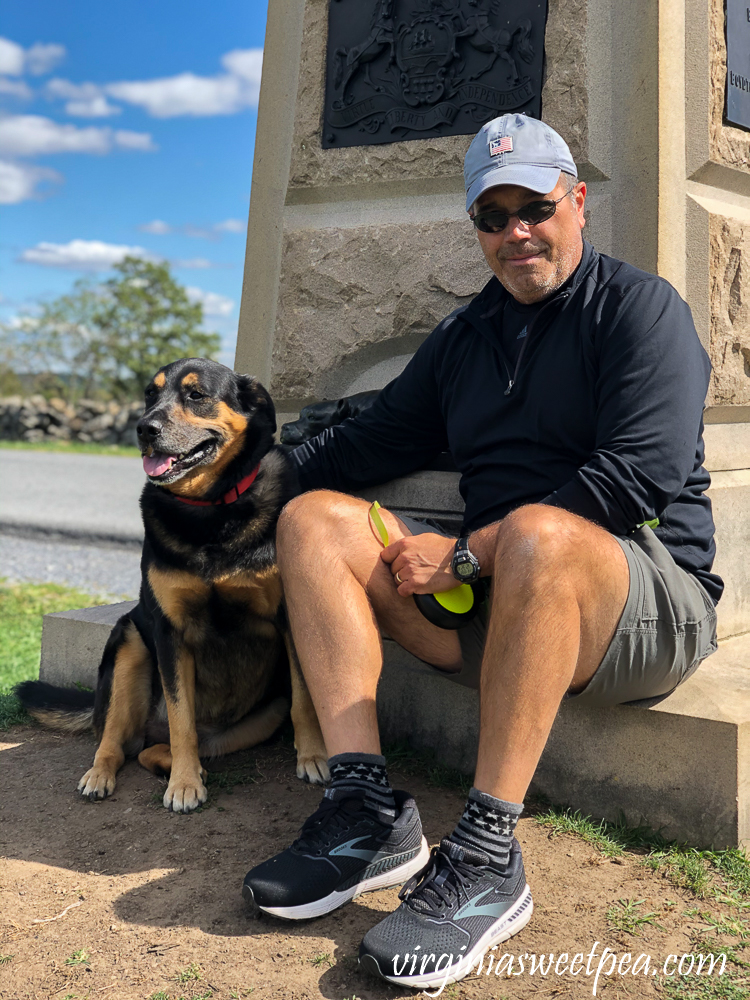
{"x":422,"y":562}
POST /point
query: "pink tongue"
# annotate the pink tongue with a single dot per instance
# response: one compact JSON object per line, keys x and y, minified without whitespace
{"x":157,"y":464}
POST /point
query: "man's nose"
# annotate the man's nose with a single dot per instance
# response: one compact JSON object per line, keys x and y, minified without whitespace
{"x":516,"y":230}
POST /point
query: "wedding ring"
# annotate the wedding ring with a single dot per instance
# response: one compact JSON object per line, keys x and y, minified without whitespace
{"x":398,"y":578}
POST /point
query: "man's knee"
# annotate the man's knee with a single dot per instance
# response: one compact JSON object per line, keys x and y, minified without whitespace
{"x":539,"y":540}
{"x":318,"y":519}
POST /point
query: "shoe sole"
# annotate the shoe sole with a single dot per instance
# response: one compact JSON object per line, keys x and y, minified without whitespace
{"x":318,"y":908}
{"x":501,"y":931}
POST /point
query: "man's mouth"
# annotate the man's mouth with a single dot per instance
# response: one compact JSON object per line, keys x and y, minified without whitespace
{"x":165,"y":467}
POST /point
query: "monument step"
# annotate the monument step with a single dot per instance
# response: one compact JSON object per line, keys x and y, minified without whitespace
{"x":682,"y":765}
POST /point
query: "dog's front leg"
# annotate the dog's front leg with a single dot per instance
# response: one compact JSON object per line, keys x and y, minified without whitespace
{"x":312,"y":759}
{"x":186,"y":790}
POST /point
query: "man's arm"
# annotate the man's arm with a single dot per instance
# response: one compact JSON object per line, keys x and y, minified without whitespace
{"x":399,"y":433}
{"x":652,"y":380}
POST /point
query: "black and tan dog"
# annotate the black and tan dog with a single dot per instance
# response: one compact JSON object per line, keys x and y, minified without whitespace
{"x":200,"y":666}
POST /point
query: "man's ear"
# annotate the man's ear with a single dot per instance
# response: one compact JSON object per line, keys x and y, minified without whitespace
{"x":254,"y":398}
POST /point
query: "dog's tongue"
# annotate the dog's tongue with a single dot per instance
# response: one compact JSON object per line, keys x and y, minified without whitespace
{"x":157,"y":464}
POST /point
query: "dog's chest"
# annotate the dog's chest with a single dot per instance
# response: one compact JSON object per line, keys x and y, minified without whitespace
{"x":232,"y":603}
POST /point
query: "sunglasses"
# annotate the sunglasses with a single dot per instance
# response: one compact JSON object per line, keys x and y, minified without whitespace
{"x":532,"y":214}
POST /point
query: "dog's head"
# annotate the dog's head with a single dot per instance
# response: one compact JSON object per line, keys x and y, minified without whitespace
{"x":202,"y":425}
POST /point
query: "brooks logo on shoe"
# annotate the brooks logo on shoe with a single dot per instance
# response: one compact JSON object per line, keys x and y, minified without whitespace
{"x":474,"y":909}
{"x":347,"y":851}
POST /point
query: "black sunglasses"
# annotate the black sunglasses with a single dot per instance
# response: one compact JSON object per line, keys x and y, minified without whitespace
{"x":530,"y":215}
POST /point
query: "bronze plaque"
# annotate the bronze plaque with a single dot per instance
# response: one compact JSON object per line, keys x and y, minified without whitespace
{"x":738,"y":63}
{"x":415,"y":69}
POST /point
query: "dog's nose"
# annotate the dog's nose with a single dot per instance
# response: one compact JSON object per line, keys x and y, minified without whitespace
{"x":149,"y":429}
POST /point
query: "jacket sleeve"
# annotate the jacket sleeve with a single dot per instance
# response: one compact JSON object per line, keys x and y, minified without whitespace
{"x":399,"y":433}
{"x":650,"y":388}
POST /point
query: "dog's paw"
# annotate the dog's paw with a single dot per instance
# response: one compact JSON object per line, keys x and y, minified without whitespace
{"x":184,"y":794}
{"x":313,"y":769}
{"x":97,"y":783}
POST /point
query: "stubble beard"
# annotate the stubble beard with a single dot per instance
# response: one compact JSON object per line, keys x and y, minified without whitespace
{"x":545,"y":279}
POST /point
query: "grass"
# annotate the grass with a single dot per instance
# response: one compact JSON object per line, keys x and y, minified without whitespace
{"x":190,"y":974}
{"x":80,"y":957}
{"x":4,"y":959}
{"x":625,"y":916}
{"x":318,"y":960}
{"x":22,"y":607}
{"x":75,"y":447}
{"x":720,"y":875}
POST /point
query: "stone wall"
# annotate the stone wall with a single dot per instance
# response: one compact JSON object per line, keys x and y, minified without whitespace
{"x":37,"y":419}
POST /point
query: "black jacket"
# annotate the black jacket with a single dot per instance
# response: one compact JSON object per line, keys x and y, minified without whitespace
{"x":603,"y":417}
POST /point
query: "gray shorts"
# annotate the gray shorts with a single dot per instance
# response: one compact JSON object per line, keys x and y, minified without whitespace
{"x":667,"y":628}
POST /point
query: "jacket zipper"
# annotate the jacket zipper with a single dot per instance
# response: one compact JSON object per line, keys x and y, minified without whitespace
{"x":512,"y":381}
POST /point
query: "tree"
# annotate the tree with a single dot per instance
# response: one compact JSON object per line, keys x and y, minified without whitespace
{"x":109,"y":339}
{"x":147,"y":320}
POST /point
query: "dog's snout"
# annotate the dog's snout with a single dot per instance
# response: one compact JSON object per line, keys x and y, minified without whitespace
{"x":149,"y":428}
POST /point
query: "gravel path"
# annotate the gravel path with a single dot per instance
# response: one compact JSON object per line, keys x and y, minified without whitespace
{"x":110,"y":572}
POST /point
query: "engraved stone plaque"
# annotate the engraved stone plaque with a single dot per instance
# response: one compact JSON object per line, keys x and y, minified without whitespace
{"x":738,"y":62}
{"x":415,"y":69}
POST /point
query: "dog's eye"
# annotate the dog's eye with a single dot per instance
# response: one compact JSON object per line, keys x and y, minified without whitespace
{"x":196,"y":395}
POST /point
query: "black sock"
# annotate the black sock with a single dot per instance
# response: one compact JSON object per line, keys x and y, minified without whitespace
{"x":355,"y":774}
{"x":487,"y":825}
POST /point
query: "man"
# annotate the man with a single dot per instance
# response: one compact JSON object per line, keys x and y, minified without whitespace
{"x":570,"y":394}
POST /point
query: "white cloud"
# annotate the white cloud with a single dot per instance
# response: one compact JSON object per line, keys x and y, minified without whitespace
{"x":37,"y":60}
{"x":41,"y":59}
{"x":134,"y":140}
{"x":230,"y":226}
{"x":15,"y":88}
{"x":213,"y":303}
{"x":18,"y":181}
{"x":33,"y":135}
{"x":189,"y":94}
{"x":194,"y":263}
{"x":85,"y":100}
{"x":81,"y":255}
{"x":12,"y":57}
{"x":156,"y":228}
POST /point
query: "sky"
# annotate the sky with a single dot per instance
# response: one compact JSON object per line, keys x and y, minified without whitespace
{"x":127,"y":128}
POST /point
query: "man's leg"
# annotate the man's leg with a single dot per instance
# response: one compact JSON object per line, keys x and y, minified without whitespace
{"x":560,"y":585}
{"x":339,"y":593}
{"x":338,"y":590}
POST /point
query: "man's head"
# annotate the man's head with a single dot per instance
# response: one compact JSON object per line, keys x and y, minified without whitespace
{"x":518,"y":166}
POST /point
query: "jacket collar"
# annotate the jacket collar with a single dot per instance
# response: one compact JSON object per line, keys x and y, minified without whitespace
{"x":482,"y":309}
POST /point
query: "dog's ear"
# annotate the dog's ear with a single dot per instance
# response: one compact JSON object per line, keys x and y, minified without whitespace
{"x":254,"y":398}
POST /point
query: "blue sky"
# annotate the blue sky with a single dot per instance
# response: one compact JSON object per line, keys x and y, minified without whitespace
{"x":127,"y":126}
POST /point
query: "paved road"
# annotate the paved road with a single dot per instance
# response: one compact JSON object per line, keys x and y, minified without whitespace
{"x":108,"y":572}
{"x":83,"y":497}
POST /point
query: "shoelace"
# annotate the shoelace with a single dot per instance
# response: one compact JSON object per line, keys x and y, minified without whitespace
{"x":326,"y":823}
{"x":426,"y":895}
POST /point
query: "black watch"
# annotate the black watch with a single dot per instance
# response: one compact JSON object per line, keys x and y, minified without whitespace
{"x":464,"y":565}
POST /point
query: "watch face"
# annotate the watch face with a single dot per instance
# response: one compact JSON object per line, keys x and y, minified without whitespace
{"x":465,"y":569}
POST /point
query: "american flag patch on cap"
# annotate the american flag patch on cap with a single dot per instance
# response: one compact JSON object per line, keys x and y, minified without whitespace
{"x":504,"y":145}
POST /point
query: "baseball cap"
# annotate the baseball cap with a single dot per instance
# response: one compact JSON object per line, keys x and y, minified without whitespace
{"x":515,"y":149}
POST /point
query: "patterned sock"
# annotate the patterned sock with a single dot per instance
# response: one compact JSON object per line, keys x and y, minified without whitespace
{"x":355,"y":774}
{"x":487,"y":825}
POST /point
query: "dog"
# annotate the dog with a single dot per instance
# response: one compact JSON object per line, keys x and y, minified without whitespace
{"x":201,"y":666}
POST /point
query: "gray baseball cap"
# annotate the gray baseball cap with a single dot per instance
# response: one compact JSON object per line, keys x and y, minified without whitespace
{"x":515,"y":149}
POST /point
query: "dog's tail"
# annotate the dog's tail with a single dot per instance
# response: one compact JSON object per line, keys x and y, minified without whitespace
{"x":67,"y":709}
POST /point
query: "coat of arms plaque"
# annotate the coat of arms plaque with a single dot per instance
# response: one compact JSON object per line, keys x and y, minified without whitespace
{"x":414,"y":69}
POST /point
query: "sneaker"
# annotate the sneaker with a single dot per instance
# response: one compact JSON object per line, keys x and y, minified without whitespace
{"x":451,"y":913}
{"x":342,"y":851}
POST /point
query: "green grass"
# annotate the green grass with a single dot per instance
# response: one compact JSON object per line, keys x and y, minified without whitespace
{"x":4,"y":959}
{"x":76,"y":447}
{"x":720,"y":875}
{"x":190,"y":974}
{"x":22,"y":607}
{"x":80,"y":957}
{"x":625,"y":916}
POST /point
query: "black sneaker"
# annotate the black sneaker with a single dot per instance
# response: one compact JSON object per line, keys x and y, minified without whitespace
{"x":342,"y":851}
{"x":451,"y":913}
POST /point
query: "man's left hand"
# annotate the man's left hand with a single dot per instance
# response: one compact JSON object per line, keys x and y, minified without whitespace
{"x":422,"y":562}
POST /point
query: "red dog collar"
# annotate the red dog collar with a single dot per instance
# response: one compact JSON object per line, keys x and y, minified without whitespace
{"x":234,"y":494}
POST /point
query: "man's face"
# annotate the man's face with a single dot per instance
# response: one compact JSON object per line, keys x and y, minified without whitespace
{"x":533,"y":261}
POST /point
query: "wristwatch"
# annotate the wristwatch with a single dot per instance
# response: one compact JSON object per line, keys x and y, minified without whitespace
{"x":464,"y":564}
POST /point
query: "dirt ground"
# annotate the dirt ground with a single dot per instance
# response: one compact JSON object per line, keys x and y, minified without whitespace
{"x":153,"y":898}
